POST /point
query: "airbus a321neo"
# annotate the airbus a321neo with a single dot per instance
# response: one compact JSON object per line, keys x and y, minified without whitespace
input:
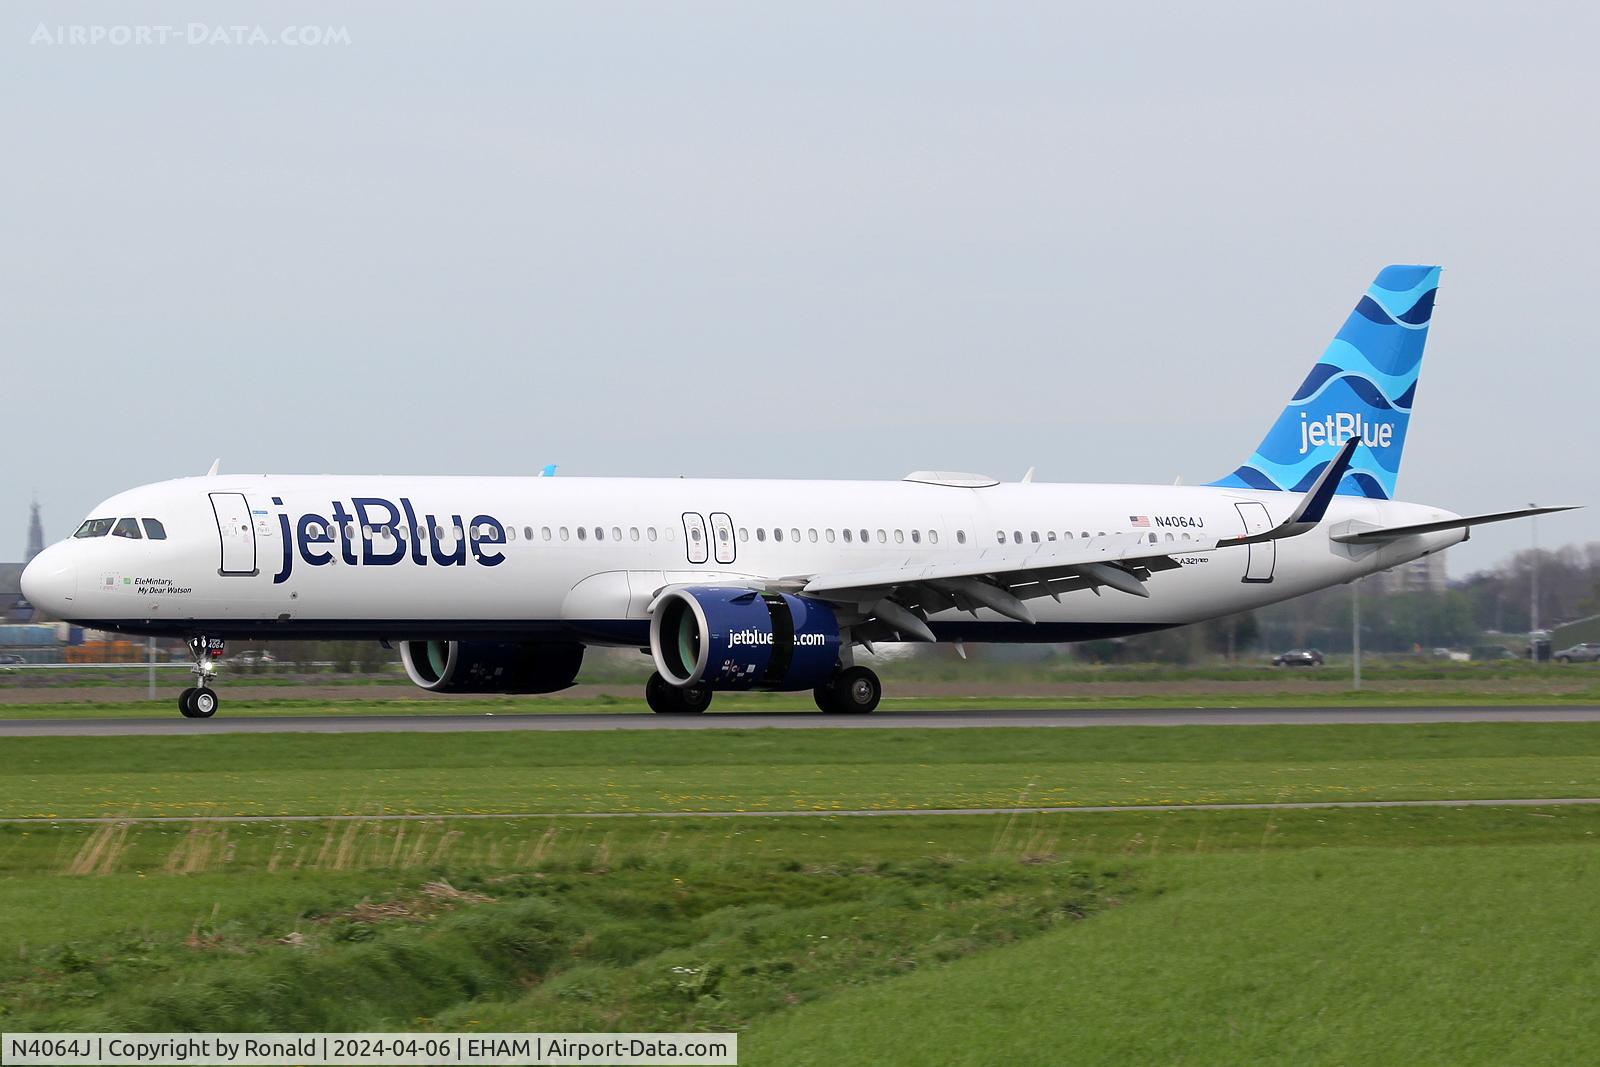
{"x":497,"y":585}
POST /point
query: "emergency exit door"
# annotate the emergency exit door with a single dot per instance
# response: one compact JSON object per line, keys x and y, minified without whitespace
{"x":722,"y":543}
{"x":238,"y":536}
{"x":1263,"y":554}
{"x":694,"y":536}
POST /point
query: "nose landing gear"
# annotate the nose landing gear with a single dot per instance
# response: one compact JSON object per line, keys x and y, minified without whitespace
{"x":201,"y":701}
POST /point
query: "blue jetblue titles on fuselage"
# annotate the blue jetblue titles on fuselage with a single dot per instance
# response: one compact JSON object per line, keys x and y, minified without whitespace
{"x":365,"y":524}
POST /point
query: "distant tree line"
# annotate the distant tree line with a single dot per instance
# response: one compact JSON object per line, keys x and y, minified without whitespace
{"x":1491,"y":606}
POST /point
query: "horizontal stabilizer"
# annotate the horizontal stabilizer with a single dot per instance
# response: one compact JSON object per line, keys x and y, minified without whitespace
{"x":1466,"y":522}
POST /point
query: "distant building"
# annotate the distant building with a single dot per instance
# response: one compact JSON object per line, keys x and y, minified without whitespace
{"x":1425,"y":575}
{"x":13,"y":608}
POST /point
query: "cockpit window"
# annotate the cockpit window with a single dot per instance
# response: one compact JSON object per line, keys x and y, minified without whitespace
{"x":127,"y":528}
{"x":154,"y":530}
{"x":95,"y":527}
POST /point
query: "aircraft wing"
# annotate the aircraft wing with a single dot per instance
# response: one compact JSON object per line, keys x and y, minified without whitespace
{"x":897,"y":600}
{"x":901,"y":597}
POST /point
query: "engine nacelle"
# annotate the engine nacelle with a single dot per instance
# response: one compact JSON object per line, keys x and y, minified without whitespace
{"x":490,"y":666}
{"x":742,"y":639}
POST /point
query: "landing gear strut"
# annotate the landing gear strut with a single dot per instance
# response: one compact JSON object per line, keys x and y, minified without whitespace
{"x":667,"y":699}
{"x":200,"y":701}
{"x":853,"y":690}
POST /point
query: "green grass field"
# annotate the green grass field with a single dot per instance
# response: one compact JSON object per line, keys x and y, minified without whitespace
{"x":1403,"y":935}
{"x":771,"y":770}
{"x":1435,"y":955}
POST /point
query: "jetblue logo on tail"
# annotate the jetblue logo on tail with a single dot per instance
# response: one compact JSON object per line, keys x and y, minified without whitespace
{"x":1339,"y":427}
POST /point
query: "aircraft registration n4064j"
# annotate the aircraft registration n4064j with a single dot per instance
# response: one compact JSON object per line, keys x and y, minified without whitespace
{"x":498,"y":584}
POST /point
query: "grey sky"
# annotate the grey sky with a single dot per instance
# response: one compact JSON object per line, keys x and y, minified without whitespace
{"x":1108,"y":240}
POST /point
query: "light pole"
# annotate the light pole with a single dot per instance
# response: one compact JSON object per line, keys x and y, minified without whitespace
{"x":1533,"y":605}
{"x":1355,"y":632}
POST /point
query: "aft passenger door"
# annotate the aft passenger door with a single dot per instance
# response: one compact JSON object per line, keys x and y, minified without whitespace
{"x":236,"y":533}
{"x":1263,"y":554}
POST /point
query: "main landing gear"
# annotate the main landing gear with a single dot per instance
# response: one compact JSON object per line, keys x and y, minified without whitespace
{"x":667,"y":699}
{"x":200,"y":701}
{"x":852,"y":691}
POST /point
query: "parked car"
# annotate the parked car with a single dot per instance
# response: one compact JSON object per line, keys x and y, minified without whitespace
{"x":252,"y":658}
{"x":1587,"y":652}
{"x":1298,"y":657}
{"x":10,"y":659}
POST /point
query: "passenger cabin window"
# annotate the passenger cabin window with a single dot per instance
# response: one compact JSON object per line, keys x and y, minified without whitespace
{"x":933,"y":537}
{"x":127,"y":528}
{"x":650,"y":533}
{"x":961,"y":537}
{"x":1034,"y":536}
{"x":847,"y":535}
{"x":154,"y":530}
{"x":916,"y":537}
{"x":777,"y":533}
{"x":95,"y":528}
{"x":829,"y":533}
{"x":761,"y":533}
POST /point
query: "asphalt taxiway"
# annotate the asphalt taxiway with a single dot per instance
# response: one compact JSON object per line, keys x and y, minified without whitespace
{"x":64,"y":726}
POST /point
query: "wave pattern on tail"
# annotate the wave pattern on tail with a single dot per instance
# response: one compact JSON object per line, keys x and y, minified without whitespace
{"x":1364,"y":385}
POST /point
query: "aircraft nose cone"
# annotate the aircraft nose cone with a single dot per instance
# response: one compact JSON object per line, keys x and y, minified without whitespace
{"x":50,"y":582}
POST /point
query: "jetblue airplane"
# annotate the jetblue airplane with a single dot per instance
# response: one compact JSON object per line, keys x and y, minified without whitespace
{"x":496,"y":585}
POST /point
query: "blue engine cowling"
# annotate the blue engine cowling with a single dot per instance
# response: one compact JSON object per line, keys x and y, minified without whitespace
{"x":490,"y":666}
{"x":742,"y":639}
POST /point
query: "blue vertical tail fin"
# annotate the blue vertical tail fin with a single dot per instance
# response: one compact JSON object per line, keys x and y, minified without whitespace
{"x":1363,"y":386}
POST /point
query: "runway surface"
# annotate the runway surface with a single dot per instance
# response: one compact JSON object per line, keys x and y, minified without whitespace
{"x":1102,"y":809}
{"x":358,"y":724}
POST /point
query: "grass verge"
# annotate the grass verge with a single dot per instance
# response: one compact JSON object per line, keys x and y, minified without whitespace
{"x":771,"y":770}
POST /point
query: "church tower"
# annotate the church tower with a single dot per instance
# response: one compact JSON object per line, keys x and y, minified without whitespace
{"x":35,"y":534}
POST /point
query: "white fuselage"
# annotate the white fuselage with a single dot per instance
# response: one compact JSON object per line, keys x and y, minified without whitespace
{"x":582,"y":558}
